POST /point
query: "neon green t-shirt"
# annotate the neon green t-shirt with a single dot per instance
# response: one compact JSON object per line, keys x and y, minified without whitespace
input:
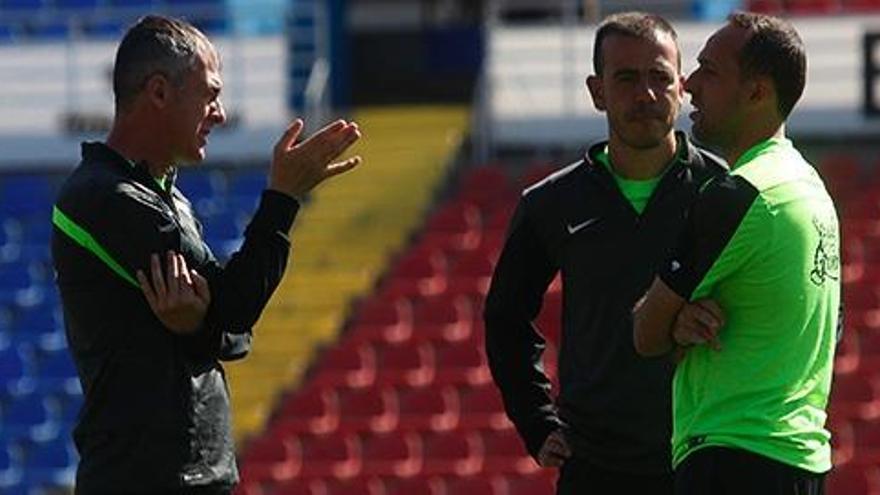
{"x":764,"y":243}
{"x":637,"y":192}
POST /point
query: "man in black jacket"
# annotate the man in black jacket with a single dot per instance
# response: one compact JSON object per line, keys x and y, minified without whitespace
{"x":606,"y":223}
{"x":148,"y":310}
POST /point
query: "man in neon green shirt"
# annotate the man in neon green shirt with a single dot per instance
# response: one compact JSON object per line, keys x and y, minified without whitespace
{"x":749,"y":410}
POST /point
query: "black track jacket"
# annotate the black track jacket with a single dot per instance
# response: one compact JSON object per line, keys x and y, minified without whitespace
{"x":614,"y":405}
{"x":156,"y":413}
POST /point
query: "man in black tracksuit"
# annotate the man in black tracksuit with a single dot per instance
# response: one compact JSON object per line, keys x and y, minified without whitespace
{"x":606,"y":223}
{"x":149,"y":313}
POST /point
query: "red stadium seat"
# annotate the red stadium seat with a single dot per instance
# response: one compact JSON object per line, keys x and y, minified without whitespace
{"x":356,"y":486}
{"x":406,"y":364}
{"x":313,"y":410}
{"x":461,"y":364}
{"x":429,"y":408}
{"x":853,"y":397}
{"x":420,"y":485}
{"x":349,"y":365}
{"x":505,"y":453}
{"x":373,"y":410}
{"x":455,"y":453}
{"x":394,"y":454}
{"x":383,"y":319}
{"x":476,"y":484}
{"x":330,"y":456}
{"x":270,"y":459}
{"x":299,"y":486}
{"x":443,"y":318}
{"x":419,"y":273}
{"x":482,"y":408}
{"x":851,"y":479}
{"x":542,"y":482}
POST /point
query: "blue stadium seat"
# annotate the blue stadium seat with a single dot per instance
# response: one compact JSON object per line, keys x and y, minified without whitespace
{"x":14,"y":368}
{"x":223,"y":226}
{"x":40,"y":327}
{"x":22,"y":5}
{"x":57,"y":373}
{"x":50,"y":463}
{"x":134,"y":3}
{"x":28,"y":415}
{"x":14,"y":278}
{"x":76,"y":4}
{"x":22,"y":195}
{"x":7,"y":33}
{"x":10,"y":468}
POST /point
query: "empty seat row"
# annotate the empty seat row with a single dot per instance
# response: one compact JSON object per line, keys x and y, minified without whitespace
{"x":399,"y":454}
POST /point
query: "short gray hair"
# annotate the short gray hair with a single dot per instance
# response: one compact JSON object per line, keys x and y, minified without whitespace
{"x":156,"y":45}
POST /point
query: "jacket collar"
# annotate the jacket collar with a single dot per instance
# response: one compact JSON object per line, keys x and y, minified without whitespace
{"x":95,"y":151}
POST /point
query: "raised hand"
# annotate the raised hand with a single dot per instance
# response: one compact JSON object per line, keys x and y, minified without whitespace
{"x":298,"y":167}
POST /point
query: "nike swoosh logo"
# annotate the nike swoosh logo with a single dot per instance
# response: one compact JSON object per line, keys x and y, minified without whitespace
{"x":586,"y":223}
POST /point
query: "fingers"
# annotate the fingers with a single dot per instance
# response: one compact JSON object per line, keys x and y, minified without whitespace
{"x":146,"y":289}
{"x":713,"y":308}
{"x":158,"y":281}
{"x":332,"y":140}
{"x":289,"y":137}
{"x":555,"y":450}
{"x":342,"y":167}
{"x":184,"y":272}
{"x":200,"y":285}
{"x":172,"y":274}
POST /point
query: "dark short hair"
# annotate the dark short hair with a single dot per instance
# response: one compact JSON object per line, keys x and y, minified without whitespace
{"x":633,"y":24}
{"x":155,"y":45}
{"x":776,"y":50}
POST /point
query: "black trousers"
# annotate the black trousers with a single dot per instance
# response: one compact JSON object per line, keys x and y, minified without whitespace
{"x":580,"y":477}
{"x":723,"y":471}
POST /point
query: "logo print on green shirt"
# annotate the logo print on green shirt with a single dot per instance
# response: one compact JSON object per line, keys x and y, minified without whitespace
{"x":826,"y":260}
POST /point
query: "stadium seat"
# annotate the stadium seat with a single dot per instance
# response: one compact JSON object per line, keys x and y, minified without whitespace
{"x":299,"y":486}
{"x":406,"y":364}
{"x":443,"y":318}
{"x":505,"y":453}
{"x":419,"y":485}
{"x":356,"y":486}
{"x":454,"y":453}
{"x":22,"y":5}
{"x":336,"y":455}
{"x":542,"y":482}
{"x":271,"y":459}
{"x":429,"y":408}
{"x":419,"y":273}
{"x":461,"y":364}
{"x":14,"y":368}
{"x":853,"y":397}
{"x":50,"y":463}
{"x":475,"y":484}
{"x":351,"y":365}
{"x":482,"y":408}
{"x":373,"y":410}
{"x":28,"y":415}
{"x":851,"y":479}
{"x":394,"y":454}
{"x":10,"y":467}
{"x":313,"y":410}
{"x":57,"y":372}
{"x":382,"y":320}
{"x":76,"y":4}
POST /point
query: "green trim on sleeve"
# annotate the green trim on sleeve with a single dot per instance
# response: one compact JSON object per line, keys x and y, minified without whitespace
{"x":84,"y":239}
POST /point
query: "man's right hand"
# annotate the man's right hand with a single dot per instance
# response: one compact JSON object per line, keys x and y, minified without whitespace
{"x":555,"y":450}
{"x":298,"y":167}
{"x":699,"y":322}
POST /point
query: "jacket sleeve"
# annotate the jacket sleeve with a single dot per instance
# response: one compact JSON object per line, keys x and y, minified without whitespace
{"x":241,"y":289}
{"x":513,"y":343}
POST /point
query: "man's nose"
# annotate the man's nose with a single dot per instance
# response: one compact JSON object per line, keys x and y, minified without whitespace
{"x":219,"y":112}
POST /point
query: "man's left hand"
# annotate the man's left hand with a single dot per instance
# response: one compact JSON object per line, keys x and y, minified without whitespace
{"x":180,"y":300}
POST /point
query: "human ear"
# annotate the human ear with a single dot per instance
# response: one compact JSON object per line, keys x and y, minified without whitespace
{"x":597,"y":92}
